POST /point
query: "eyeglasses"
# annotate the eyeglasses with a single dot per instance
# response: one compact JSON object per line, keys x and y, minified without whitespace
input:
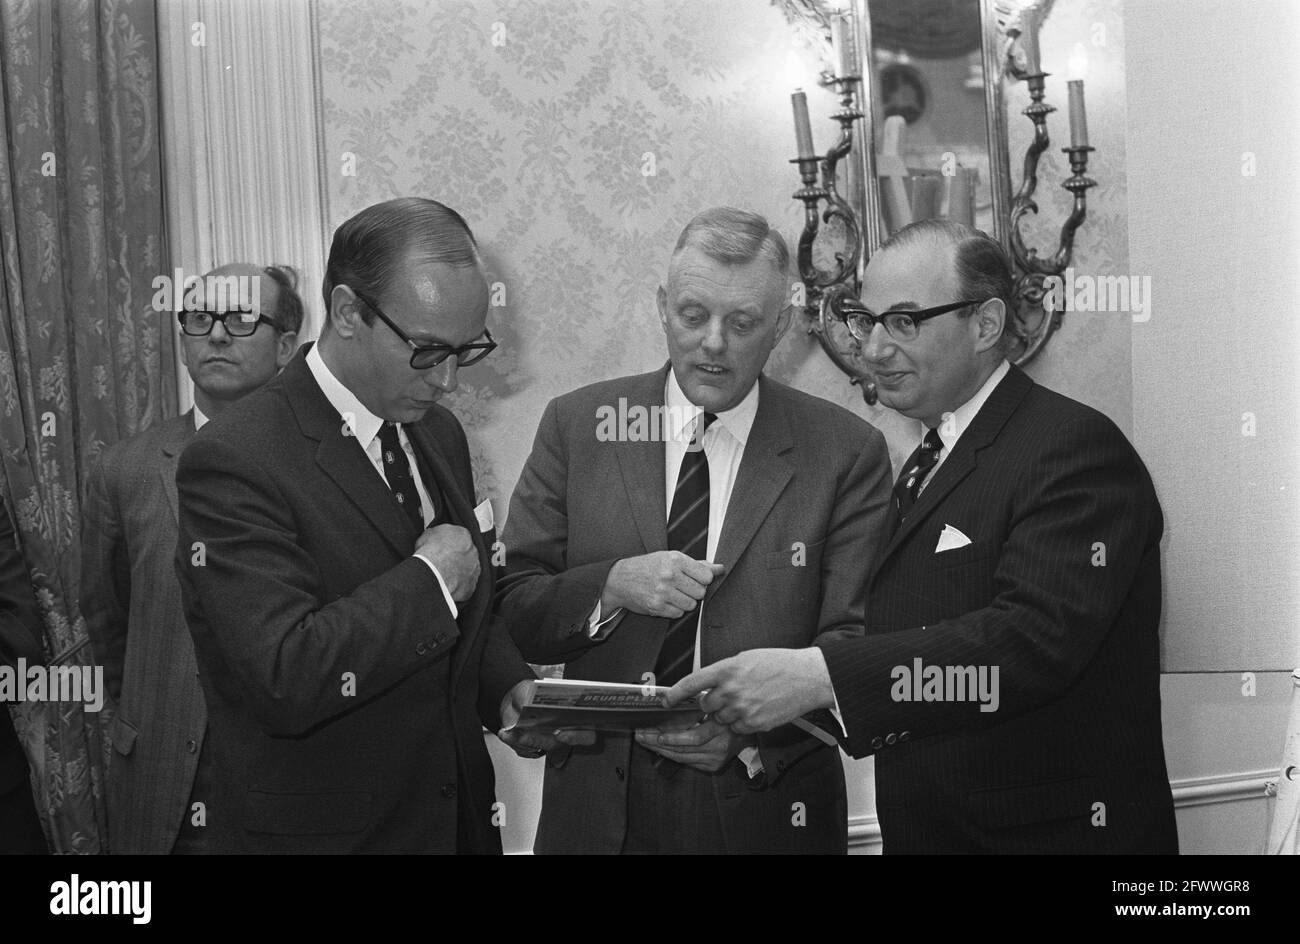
{"x":238,"y":324}
{"x":424,"y":356}
{"x":901,"y":325}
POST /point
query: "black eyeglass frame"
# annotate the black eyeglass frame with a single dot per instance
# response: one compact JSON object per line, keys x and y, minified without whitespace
{"x":440,"y":351}
{"x":221,"y":316}
{"x":854,"y":314}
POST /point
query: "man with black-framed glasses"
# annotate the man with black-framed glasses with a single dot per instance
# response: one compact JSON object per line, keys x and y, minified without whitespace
{"x":1008,"y":683}
{"x":337,"y":574}
{"x":160,"y":774}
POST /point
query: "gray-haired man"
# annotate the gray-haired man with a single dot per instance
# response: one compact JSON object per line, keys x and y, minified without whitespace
{"x":737,"y":514}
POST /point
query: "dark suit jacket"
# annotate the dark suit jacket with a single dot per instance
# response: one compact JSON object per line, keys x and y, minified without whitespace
{"x":813,"y":475}
{"x":132,"y":606}
{"x":21,"y":635}
{"x":345,"y":704}
{"x":1060,"y":589}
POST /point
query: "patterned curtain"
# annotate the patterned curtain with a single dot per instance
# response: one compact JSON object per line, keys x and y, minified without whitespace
{"x":84,"y":358}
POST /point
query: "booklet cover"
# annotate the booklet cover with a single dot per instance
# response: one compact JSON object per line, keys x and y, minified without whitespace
{"x":599,"y":706}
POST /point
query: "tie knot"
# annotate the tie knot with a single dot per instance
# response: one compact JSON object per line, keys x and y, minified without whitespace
{"x":932,"y":442}
{"x":702,"y":425}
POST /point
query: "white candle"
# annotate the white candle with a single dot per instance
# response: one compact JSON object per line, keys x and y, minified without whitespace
{"x":1078,"y":117}
{"x":802,"y":126}
{"x":842,"y":41}
{"x":1029,"y":45}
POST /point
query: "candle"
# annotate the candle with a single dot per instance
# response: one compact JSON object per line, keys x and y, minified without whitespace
{"x":960,"y":197}
{"x":1029,"y":44}
{"x":802,"y":126}
{"x":1078,"y":117}
{"x":842,"y":41}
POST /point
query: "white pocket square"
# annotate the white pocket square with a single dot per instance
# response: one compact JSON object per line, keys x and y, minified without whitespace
{"x":950,"y":539}
{"x":483,"y":514}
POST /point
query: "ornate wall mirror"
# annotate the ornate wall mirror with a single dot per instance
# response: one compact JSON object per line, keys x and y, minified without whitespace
{"x":923,"y":134}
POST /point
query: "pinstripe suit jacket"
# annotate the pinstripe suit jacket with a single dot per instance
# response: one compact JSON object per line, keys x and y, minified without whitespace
{"x":1060,"y":590}
{"x":811,"y":473}
{"x":132,"y":606}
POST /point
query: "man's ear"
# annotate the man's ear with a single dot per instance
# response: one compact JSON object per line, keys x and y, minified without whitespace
{"x":662,"y":298}
{"x":284,"y":347}
{"x":345,"y":311}
{"x":990,"y":322}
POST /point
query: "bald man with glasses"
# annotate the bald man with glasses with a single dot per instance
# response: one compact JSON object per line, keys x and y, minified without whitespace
{"x":337,"y":574}
{"x":1008,"y":682}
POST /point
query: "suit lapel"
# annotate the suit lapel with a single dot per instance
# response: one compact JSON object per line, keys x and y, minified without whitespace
{"x":763,"y":475}
{"x":175,"y":436}
{"x":983,"y":430}
{"x":341,"y":457}
{"x":642,"y":465}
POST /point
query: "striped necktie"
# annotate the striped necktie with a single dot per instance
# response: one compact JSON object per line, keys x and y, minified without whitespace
{"x":688,"y":532}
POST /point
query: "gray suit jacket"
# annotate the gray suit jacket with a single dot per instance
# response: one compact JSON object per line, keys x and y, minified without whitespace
{"x":132,"y":606}
{"x":806,"y":517}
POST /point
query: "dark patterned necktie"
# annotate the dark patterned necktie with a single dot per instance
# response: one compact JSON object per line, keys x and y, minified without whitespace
{"x":397,"y":470}
{"x":688,"y":532}
{"x":917,"y":468}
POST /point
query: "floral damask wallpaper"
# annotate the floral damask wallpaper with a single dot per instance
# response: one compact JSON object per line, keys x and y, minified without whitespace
{"x":578,"y":136}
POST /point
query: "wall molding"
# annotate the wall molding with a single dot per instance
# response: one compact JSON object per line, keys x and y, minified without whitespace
{"x":1222,"y":788}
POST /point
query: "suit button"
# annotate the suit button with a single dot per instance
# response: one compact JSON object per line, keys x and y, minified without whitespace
{"x":420,"y":649}
{"x":449,"y":790}
{"x":620,"y":773}
{"x":904,"y":736}
{"x":891,"y":739}
{"x":877,"y":743}
{"x":192,"y":746}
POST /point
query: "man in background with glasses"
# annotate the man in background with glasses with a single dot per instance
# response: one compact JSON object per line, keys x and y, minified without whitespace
{"x":1009,"y":681}
{"x":336,"y":572}
{"x":160,"y":777}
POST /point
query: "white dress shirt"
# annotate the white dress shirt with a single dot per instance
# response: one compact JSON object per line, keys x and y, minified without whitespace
{"x":724,"y":447}
{"x":956,"y":422}
{"x":365,"y":427}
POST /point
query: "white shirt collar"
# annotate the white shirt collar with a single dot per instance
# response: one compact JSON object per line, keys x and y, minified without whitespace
{"x":682,"y":413}
{"x":199,"y":418}
{"x":952,"y":427}
{"x":365,"y":425}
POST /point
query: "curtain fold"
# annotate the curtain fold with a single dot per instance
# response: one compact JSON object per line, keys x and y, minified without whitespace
{"x":85,"y":360}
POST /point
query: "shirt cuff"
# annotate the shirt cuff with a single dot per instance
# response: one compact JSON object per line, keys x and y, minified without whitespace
{"x":595,"y":623}
{"x":753,"y":763}
{"x":446,"y":594}
{"x":835,"y":709}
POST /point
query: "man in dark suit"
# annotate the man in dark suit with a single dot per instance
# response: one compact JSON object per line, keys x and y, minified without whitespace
{"x":670,"y":519}
{"x":21,"y":637}
{"x":334,"y":570}
{"x":159,"y":781}
{"x":1008,"y":683}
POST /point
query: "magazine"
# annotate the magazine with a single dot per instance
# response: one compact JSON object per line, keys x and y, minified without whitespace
{"x":552,"y":704}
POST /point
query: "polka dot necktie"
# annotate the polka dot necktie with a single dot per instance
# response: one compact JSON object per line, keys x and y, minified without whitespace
{"x":918,"y":466}
{"x":397,"y":470}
